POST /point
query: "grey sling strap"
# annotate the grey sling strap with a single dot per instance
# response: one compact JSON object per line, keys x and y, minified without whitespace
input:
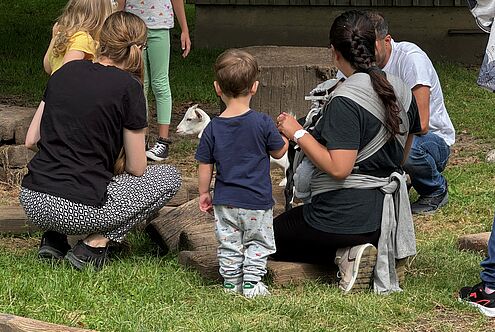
{"x":357,"y":88}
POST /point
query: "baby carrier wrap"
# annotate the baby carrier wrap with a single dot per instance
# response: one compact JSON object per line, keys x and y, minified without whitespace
{"x":397,"y":238}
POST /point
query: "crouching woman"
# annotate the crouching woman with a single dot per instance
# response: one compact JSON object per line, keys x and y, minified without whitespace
{"x":358,"y":186}
{"x":90,"y":112}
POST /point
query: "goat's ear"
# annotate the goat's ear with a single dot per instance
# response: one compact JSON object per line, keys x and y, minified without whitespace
{"x":194,"y":106}
{"x":198,"y":114}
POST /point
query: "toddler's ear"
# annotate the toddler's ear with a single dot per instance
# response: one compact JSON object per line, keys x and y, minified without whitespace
{"x":254,"y":88}
{"x":217,"y":88}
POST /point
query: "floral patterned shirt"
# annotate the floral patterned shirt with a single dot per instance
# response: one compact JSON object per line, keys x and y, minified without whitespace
{"x":157,"y":14}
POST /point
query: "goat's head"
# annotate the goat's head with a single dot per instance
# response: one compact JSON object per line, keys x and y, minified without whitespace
{"x":194,"y":121}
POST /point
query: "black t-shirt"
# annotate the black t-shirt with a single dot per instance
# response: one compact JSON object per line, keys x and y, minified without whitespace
{"x":87,"y":106}
{"x":346,"y":125}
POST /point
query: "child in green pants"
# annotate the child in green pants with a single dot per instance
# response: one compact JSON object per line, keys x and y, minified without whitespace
{"x":159,"y":18}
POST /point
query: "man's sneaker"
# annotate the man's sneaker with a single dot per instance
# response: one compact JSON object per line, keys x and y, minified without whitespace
{"x":251,"y":290}
{"x":356,"y":265}
{"x":429,"y":205}
{"x":159,"y":151}
{"x":82,"y":255}
{"x":53,"y":245}
{"x":229,"y":287}
{"x":472,"y":5}
{"x":477,"y":297}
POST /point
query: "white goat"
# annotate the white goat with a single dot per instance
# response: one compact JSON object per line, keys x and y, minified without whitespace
{"x":195,"y":121}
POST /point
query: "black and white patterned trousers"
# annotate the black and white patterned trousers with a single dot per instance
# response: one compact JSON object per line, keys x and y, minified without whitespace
{"x":130,"y":200}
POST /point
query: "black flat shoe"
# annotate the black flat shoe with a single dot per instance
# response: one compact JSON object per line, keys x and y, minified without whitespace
{"x":53,"y":245}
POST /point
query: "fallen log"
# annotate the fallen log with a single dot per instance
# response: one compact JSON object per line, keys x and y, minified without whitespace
{"x":202,"y":236}
{"x":187,"y":191}
{"x":280,"y":273}
{"x":475,"y":242}
{"x":205,"y":262}
{"x":169,"y":226}
{"x":198,"y":238}
{"x":11,"y":323}
{"x":285,"y":273}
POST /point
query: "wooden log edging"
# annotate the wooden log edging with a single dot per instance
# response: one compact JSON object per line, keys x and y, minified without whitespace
{"x":280,"y":273}
{"x":170,"y":226}
{"x":12,"y":323}
{"x":13,"y":220}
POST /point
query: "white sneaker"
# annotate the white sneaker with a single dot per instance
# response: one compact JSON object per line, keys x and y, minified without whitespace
{"x":356,"y":266}
{"x":251,"y":290}
{"x":229,"y":287}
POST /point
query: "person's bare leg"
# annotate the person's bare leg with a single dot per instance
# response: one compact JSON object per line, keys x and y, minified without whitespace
{"x":96,"y":241}
{"x":163,"y":130}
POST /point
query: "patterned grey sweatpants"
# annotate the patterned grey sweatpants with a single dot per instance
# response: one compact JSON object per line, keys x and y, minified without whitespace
{"x":130,"y":200}
{"x":245,"y":242}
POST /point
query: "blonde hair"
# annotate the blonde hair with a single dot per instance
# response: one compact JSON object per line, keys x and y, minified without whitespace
{"x":236,"y":71}
{"x":122,"y":37}
{"x":80,"y":15}
{"x":119,"y":166}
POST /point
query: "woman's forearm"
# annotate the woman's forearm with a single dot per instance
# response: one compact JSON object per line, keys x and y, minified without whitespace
{"x":337,"y":163}
{"x":33,"y":133}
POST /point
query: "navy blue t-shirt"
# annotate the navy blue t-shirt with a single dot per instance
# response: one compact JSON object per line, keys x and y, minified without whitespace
{"x":239,"y":146}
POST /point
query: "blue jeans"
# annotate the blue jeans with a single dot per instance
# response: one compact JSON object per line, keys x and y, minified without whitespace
{"x":427,"y":160}
{"x":488,"y":265}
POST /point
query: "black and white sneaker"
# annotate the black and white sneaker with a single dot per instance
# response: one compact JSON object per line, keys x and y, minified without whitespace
{"x":477,"y":297}
{"x":159,"y":151}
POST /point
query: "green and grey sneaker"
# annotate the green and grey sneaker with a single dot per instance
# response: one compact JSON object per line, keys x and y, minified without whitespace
{"x":356,"y":266}
{"x":252,"y":290}
{"x":229,"y":287}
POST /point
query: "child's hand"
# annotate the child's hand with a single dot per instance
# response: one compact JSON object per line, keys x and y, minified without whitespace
{"x":205,"y":203}
{"x":185,"y":43}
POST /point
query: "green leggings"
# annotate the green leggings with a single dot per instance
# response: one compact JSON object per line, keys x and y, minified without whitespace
{"x":156,"y":63}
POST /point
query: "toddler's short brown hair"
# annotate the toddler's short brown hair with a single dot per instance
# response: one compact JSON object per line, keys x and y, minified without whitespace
{"x":236,"y":71}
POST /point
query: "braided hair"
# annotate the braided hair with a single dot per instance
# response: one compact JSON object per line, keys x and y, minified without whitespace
{"x":353,"y":35}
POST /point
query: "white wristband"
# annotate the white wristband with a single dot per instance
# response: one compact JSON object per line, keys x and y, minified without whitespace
{"x":298,"y":134}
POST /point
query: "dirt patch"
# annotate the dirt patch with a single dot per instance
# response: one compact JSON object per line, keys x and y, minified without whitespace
{"x":468,"y":150}
{"x":18,"y":245}
{"x":445,"y":319}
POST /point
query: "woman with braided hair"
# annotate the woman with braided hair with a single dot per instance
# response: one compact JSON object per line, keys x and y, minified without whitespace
{"x":358,"y":190}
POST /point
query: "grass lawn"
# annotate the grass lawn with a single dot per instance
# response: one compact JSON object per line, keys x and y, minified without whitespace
{"x":142,"y":291}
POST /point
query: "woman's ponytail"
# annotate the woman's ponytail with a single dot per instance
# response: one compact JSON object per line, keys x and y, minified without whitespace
{"x":122,"y":39}
{"x":353,"y":35}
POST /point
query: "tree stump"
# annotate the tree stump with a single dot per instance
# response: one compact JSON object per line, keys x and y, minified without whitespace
{"x":280,"y":273}
{"x":474,"y":242}
{"x":170,"y":225}
{"x":287,"y":74}
{"x":11,"y":323}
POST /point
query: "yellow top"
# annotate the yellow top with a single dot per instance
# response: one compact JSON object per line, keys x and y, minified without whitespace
{"x":80,"y":41}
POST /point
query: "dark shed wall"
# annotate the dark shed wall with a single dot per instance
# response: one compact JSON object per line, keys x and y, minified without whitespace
{"x":445,"y":29}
